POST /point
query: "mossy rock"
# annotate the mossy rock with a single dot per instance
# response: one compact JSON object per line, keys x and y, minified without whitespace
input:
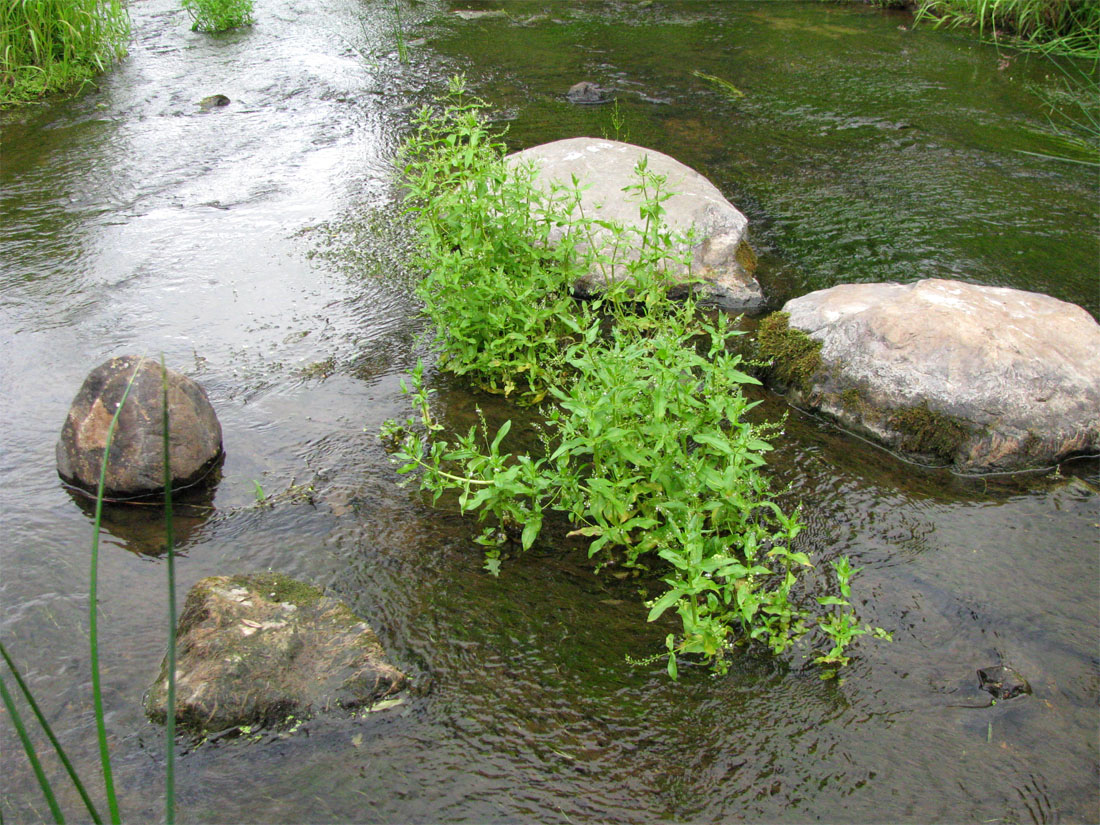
{"x":982,"y":378}
{"x":254,"y":649}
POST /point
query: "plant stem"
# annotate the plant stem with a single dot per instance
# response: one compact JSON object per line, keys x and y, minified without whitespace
{"x":93,"y":604}
{"x":50,"y":735}
{"x":32,"y":757}
{"x":169,"y":531}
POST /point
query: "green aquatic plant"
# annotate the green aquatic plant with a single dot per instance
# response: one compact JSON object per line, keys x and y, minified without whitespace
{"x":724,"y":86}
{"x":218,"y":15}
{"x":1073,"y":113}
{"x":1059,"y":27}
{"x":618,"y":125}
{"x":497,"y":291}
{"x":399,"y":33}
{"x":93,"y":637}
{"x":51,"y":45}
{"x":646,"y":449}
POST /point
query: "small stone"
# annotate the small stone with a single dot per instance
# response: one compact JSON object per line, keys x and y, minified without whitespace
{"x":213,"y":102}
{"x":587,"y":93}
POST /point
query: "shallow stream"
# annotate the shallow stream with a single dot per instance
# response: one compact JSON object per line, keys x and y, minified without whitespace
{"x":255,"y":246}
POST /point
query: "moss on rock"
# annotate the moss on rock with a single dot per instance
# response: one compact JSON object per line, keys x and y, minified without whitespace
{"x":794,"y":356}
{"x":746,"y":256}
{"x":279,"y":588}
{"x":930,"y":431}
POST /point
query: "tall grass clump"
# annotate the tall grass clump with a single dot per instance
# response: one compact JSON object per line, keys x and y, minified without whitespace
{"x":218,"y":15}
{"x":646,"y":451}
{"x":50,"y":45}
{"x":1058,"y":27}
{"x":93,"y":636}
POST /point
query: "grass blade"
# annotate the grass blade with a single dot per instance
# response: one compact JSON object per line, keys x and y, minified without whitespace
{"x":93,"y":604}
{"x":169,"y":535}
{"x":32,"y":757}
{"x":50,"y":735}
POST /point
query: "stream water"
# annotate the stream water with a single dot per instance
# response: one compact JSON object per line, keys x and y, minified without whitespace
{"x":254,"y":246}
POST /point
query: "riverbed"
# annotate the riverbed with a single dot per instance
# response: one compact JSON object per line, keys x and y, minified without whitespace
{"x":258,"y":247}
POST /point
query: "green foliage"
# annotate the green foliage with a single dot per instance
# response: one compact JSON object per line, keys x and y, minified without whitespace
{"x":218,"y":15}
{"x":1061,"y":27}
{"x":645,"y":449}
{"x":793,"y":355}
{"x":497,"y":291}
{"x":399,"y":34}
{"x":49,"y":45}
{"x":1073,"y":113}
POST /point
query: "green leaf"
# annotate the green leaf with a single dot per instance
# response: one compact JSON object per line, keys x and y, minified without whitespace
{"x":664,"y":603}
{"x":530,"y":531}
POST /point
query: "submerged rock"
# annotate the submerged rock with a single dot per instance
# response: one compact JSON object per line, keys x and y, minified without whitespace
{"x":587,"y":93}
{"x":721,"y":256}
{"x":136,"y":464}
{"x":1002,"y":682}
{"x":982,"y":378}
{"x":255,"y":649}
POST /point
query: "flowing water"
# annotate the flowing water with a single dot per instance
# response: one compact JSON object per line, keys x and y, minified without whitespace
{"x":254,"y":246}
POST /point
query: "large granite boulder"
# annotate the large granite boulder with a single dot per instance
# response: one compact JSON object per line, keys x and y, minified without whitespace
{"x":257,"y":649}
{"x":721,"y":256}
{"x":136,"y":464}
{"x":982,"y":378}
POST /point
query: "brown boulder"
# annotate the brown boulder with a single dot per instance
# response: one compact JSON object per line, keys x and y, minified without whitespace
{"x":136,"y":464}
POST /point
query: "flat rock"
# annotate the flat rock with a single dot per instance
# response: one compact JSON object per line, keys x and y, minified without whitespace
{"x":983,"y":378}
{"x":255,"y":649}
{"x":721,"y":256}
{"x":136,"y":464}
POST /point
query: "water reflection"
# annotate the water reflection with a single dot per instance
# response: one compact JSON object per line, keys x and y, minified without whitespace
{"x":139,"y":526}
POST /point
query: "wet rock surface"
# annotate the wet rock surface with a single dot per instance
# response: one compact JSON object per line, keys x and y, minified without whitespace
{"x":136,"y":464}
{"x":255,"y":649}
{"x":587,"y":93}
{"x":981,"y":378}
{"x":721,"y":256}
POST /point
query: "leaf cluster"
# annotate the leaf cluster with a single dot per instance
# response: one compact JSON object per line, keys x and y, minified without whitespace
{"x":218,"y":15}
{"x":646,"y":449}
